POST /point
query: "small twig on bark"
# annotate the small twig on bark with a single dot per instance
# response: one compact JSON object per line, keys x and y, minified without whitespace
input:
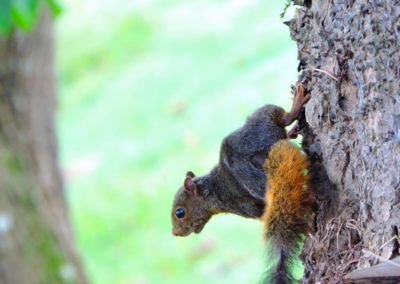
{"x":311,"y":68}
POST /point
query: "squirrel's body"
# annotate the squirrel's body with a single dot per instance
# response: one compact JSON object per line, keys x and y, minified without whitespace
{"x":289,"y":201}
{"x":240,"y":166}
{"x":237,"y":183}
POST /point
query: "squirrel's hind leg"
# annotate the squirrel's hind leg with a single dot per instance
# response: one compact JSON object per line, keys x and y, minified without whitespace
{"x":294,"y":131}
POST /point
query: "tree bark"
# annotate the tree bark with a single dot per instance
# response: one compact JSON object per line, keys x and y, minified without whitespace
{"x":353,"y":133}
{"x":36,"y":241}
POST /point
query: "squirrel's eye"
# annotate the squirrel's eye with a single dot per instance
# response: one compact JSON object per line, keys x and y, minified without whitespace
{"x":180,"y":213}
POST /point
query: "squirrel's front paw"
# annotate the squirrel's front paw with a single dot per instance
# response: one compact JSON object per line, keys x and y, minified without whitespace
{"x":300,"y":96}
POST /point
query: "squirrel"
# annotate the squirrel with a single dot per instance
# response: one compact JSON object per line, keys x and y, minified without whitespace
{"x":237,"y":183}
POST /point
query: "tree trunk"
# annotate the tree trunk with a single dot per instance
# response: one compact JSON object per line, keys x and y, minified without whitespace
{"x":36,"y":241}
{"x":353,"y":133}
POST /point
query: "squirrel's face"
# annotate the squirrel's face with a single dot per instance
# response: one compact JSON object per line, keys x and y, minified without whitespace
{"x":190,"y":211}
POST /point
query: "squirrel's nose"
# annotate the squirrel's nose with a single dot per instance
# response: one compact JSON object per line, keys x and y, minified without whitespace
{"x":175,"y":233}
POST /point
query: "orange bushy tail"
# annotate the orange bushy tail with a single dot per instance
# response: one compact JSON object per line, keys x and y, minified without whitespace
{"x":289,"y":200}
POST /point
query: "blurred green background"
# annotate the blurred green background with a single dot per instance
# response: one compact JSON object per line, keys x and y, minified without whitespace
{"x":147,"y":91}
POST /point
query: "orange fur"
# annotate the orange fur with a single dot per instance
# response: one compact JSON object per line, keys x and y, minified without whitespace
{"x":289,"y":201}
{"x":287,"y":189}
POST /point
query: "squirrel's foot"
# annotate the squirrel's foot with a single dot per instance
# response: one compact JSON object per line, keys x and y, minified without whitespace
{"x":292,"y":133}
{"x":299,"y":99}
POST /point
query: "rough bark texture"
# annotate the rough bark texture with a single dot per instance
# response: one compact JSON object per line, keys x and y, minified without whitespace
{"x":36,"y":242}
{"x":353,"y":134}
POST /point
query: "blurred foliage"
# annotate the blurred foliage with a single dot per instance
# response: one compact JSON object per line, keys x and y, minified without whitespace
{"x":23,"y":13}
{"x":148,"y":89}
{"x":287,"y":5}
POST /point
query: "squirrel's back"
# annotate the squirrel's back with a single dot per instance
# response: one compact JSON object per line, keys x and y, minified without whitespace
{"x":289,"y":200}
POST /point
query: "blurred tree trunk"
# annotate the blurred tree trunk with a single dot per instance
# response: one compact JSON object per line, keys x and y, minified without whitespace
{"x":353,"y":134}
{"x":36,"y":241}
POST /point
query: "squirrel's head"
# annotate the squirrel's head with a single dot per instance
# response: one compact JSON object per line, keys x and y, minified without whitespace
{"x":190,"y":211}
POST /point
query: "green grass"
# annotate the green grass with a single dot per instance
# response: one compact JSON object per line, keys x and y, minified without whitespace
{"x":147,"y":91}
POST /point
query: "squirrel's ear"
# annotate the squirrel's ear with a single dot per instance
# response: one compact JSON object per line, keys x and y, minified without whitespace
{"x":189,"y":184}
{"x":190,"y":174}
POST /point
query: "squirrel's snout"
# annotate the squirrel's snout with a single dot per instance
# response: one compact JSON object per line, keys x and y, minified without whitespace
{"x":180,"y":233}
